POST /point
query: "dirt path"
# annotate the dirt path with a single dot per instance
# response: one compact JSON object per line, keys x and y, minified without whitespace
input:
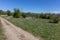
{"x":14,"y":33}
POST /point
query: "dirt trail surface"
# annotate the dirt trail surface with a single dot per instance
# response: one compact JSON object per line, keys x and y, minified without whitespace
{"x":15,"y":33}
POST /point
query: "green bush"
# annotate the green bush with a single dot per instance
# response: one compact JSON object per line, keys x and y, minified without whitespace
{"x":9,"y":13}
{"x":24,"y":15}
{"x":16,"y":13}
{"x":46,"y":16}
{"x":2,"y":12}
{"x":54,"y":20}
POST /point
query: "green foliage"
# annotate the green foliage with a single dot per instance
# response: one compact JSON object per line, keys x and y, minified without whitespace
{"x":46,"y":16}
{"x":37,"y":15}
{"x":2,"y":12}
{"x":24,"y":15}
{"x":8,"y":13}
{"x":55,"y":20}
{"x":16,"y":13}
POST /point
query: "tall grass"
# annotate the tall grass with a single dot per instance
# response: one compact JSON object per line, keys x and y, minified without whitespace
{"x":38,"y":27}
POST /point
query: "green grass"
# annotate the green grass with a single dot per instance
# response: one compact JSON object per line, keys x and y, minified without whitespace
{"x":38,"y":27}
{"x":2,"y":36}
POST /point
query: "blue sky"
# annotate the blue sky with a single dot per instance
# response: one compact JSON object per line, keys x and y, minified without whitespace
{"x":31,"y":5}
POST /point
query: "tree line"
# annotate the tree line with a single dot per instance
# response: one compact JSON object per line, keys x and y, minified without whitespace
{"x":17,"y":14}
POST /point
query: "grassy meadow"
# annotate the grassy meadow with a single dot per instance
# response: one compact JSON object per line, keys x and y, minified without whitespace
{"x":38,"y":27}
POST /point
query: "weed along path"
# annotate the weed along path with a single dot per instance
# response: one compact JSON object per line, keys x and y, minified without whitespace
{"x":14,"y":33}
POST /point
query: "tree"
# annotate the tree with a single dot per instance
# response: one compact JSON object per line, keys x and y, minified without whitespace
{"x":9,"y":13}
{"x":16,"y":13}
{"x":2,"y":12}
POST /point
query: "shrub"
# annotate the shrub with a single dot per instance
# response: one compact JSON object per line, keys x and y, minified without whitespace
{"x":16,"y":13}
{"x":8,"y":13}
{"x":24,"y":15}
{"x":54,"y":20}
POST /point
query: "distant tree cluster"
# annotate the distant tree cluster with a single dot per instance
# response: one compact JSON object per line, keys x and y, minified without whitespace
{"x":17,"y":13}
{"x":2,"y":12}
